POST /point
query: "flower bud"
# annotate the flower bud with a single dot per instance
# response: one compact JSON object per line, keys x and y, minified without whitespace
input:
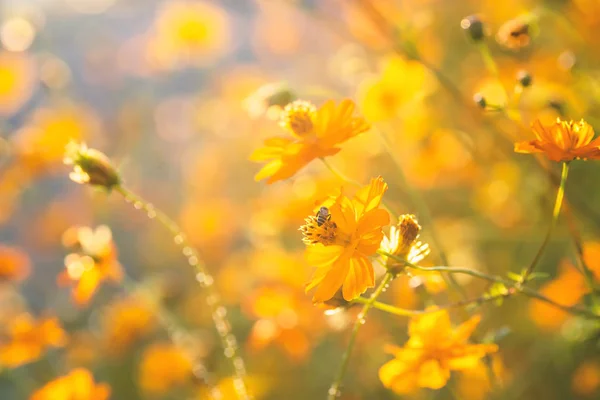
{"x":480,"y":100}
{"x":524,"y":78}
{"x":474,"y":27}
{"x":90,"y":166}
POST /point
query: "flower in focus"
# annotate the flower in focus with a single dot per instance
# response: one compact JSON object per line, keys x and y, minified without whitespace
{"x":433,"y":350}
{"x":514,"y":34}
{"x":77,"y":385}
{"x":27,"y":339}
{"x":562,"y":141}
{"x":402,"y":242}
{"x":190,"y":32}
{"x":163,"y":367}
{"x":90,"y":166}
{"x":125,"y":322}
{"x":340,"y":244}
{"x":94,"y":261}
{"x":316,"y":134}
{"x":17,"y":81}
{"x":14,"y":264}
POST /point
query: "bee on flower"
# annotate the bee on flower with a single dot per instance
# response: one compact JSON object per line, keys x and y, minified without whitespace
{"x":562,"y":141}
{"x":316,"y":133}
{"x":93,"y":260}
{"x":340,"y":245}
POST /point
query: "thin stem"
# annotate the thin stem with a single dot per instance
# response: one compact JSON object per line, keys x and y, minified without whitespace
{"x":180,"y":337}
{"x":339,"y":174}
{"x":334,"y":390}
{"x":423,"y":210}
{"x":353,"y":182}
{"x":218,"y":311}
{"x":560,"y":194}
{"x":494,"y":278}
{"x":402,"y":312}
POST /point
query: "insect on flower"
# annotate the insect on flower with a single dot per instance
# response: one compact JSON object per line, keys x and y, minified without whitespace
{"x":323,"y":216}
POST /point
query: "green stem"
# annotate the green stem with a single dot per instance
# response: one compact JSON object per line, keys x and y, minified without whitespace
{"x":494,"y":278}
{"x":424,"y":212}
{"x":351,"y":181}
{"x":180,"y":337}
{"x":339,"y":174}
{"x":402,"y":312}
{"x":334,"y":390}
{"x":560,"y":194}
{"x":218,"y":311}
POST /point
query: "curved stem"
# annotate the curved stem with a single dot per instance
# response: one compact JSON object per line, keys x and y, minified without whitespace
{"x":218,"y":311}
{"x":339,"y":174}
{"x":402,"y":312}
{"x":178,"y":335}
{"x":494,"y":278}
{"x":424,"y":212}
{"x":560,"y":194}
{"x":334,"y":390}
{"x":351,"y":181}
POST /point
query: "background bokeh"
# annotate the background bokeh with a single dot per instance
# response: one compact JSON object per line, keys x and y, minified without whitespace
{"x":174,"y":92}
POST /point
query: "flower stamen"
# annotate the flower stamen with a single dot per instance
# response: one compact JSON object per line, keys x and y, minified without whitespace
{"x":298,"y":116}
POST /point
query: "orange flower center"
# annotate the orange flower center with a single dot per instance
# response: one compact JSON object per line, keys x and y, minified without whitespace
{"x":298,"y":117}
{"x":314,"y":233}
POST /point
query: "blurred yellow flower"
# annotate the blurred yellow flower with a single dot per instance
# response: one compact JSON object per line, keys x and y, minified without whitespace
{"x":433,"y":350}
{"x":163,"y":367}
{"x":586,"y":378}
{"x":514,"y":34}
{"x":94,"y":261}
{"x":566,"y":289}
{"x":401,"y":82}
{"x":17,"y":81}
{"x":126,"y":322}
{"x":475,"y":384}
{"x":316,"y":134}
{"x":40,"y":144}
{"x":77,"y":385}
{"x":14,"y":264}
{"x":286,"y":318}
{"x":190,"y":32}
{"x":27,"y":339}
{"x":562,"y":141}
{"x":340,"y":245}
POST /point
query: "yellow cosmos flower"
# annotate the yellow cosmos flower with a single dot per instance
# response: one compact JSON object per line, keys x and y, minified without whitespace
{"x":190,"y":32}
{"x":432,"y":351}
{"x":401,"y":82}
{"x":28,"y":339}
{"x":316,"y":134}
{"x":17,"y":81}
{"x":341,"y":239}
{"x":562,"y":141}
{"x":402,"y":242}
{"x":94,"y":262}
{"x":162,"y":368}
{"x":79,"y":385}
